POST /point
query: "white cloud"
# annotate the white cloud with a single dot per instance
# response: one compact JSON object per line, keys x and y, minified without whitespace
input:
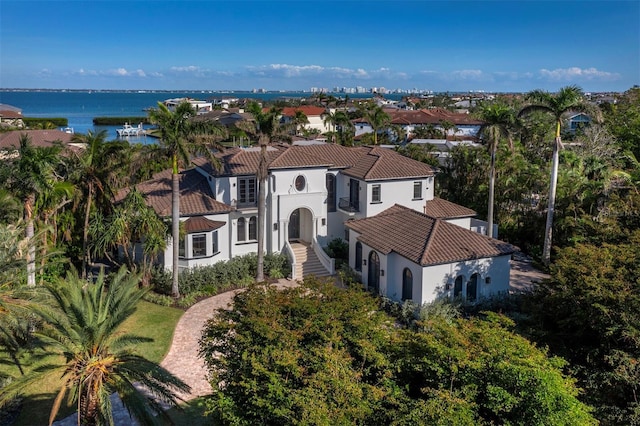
{"x":576,"y":73}
{"x":190,"y":68}
{"x":288,"y":70}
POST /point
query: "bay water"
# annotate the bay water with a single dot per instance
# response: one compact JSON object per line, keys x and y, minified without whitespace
{"x":81,"y":107}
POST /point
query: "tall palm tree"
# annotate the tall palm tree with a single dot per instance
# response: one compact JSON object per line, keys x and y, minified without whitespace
{"x":96,"y":170}
{"x":81,"y":323}
{"x":180,"y":138}
{"x":498,"y":121}
{"x":567,"y":99}
{"x":34,"y":172}
{"x":265,"y":129}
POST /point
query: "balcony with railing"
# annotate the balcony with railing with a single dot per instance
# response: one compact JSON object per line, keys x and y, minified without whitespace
{"x":348,"y":205}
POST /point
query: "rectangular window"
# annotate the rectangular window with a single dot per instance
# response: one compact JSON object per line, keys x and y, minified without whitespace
{"x":376,"y":196}
{"x":214,"y":240}
{"x":417,"y":190}
{"x":247,"y":190}
{"x":181,"y":246}
{"x":331,"y":192}
{"x":253,"y":228}
{"x":199,"y":245}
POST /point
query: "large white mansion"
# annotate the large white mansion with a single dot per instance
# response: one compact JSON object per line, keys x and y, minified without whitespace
{"x":404,"y":243}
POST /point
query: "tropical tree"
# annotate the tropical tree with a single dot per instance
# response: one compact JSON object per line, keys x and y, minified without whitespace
{"x":567,"y":99}
{"x":180,"y":138}
{"x":498,"y":120}
{"x":266,"y":129}
{"x":81,"y":325}
{"x":96,"y":169}
{"x":34,"y":172}
{"x":131,"y":221}
{"x":376,"y":117}
{"x":446,"y":125}
{"x":299,"y":120}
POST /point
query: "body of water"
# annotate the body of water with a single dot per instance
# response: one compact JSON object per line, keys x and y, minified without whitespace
{"x":81,"y":107}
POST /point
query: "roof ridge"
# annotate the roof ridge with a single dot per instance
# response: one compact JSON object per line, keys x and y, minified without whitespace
{"x":427,"y":243}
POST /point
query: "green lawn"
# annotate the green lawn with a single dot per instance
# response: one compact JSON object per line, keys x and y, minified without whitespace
{"x":149,"y":320}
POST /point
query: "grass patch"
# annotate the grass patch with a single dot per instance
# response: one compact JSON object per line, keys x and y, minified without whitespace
{"x":149,"y":320}
{"x":191,"y":413}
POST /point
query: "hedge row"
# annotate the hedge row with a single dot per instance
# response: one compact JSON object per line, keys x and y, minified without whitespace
{"x":222,"y":276}
{"x":32,"y":122}
{"x":119,"y":121}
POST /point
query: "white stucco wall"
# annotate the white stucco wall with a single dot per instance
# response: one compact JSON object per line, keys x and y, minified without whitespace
{"x":396,"y":192}
{"x":438,"y":280}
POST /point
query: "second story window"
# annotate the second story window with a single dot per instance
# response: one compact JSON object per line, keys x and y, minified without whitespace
{"x":331,"y":192}
{"x":376,"y":195}
{"x":247,"y":190}
{"x":417,"y":190}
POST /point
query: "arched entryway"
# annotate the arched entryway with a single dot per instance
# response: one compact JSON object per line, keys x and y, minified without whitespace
{"x":373,"y":280}
{"x":300,"y":225}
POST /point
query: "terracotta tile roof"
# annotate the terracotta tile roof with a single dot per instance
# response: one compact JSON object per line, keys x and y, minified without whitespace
{"x":308,"y":110}
{"x":443,"y":209}
{"x":41,"y":138}
{"x":10,"y":114}
{"x":430,"y":116}
{"x":424,"y":240}
{"x":366,"y":163}
{"x":385,"y":164}
{"x":195,"y":194}
{"x":201,"y":224}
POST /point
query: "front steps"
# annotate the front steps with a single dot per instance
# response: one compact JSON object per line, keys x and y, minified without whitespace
{"x":307,"y":262}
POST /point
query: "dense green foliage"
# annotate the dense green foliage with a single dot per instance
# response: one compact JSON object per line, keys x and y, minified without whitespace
{"x":45,"y":123}
{"x":222,"y":276}
{"x":317,"y":354}
{"x":118,"y":121}
{"x":588,"y":313}
{"x":80,"y":322}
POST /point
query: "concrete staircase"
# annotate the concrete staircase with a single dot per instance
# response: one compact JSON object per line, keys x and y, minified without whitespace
{"x":307,"y":261}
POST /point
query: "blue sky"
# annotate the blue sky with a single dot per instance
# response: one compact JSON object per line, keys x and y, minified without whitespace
{"x":502,"y":46}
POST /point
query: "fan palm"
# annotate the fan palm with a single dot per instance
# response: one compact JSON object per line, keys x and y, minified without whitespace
{"x":498,"y":121}
{"x":180,"y":138}
{"x":81,"y":324}
{"x":567,"y":99}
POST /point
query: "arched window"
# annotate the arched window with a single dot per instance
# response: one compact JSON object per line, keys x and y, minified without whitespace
{"x":253,"y":228}
{"x":374,"y":272}
{"x":457,"y":287}
{"x":242,"y":229}
{"x":358,"y":263}
{"x":407,"y":284}
{"x":472,"y":288}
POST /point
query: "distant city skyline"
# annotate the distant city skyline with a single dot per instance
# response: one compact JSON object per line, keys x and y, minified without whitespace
{"x":456,"y":46}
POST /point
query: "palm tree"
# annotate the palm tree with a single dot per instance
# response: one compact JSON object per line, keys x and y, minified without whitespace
{"x":498,"y":120}
{"x":376,"y":117}
{"x":180,"y":138}
{"x":446,"y":125}
{"x":299,"y":120}
{"x":34,"y":172}
{"x":81,"y":323}
{"x":266,"y":129}
{"x":567,"y":99}
{"x":96,"y":170}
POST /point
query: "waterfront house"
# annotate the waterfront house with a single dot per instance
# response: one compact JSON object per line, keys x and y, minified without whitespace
{"x":317,"y":192}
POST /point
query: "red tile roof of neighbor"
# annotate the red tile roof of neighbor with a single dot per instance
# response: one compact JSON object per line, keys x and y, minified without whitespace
{"x":424,"y":240}
{"x":10,"y":114}
{"x":308,"y":110}
{"x":40,"y":138}
{"x":430,"y":116}
{"x":195,"y":194}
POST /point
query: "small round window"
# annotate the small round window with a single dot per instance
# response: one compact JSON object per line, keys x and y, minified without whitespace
{"x":300,"y":183}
